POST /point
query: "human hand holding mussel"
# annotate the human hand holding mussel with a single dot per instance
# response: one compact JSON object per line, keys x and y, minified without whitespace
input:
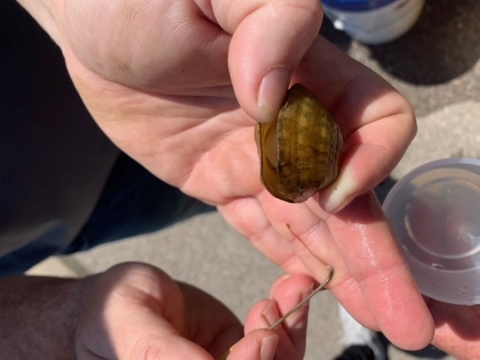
{"x":179,"y":86}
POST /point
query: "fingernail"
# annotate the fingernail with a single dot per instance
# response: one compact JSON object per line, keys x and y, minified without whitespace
{"x":268,"y":347}
{"x":270,"y":314}
{"x":272,"y":92}
{"x":233,"y":346}
{"x":282,"y":278}
{"x":339,"y":195}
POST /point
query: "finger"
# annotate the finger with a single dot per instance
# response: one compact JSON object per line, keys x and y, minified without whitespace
{"x":377,"y":123}
{"x":288,"y":293}
{"x":258,"y":344}
{"x":269,"y":39}
{"x":264,"y":314}
{"x":141,"y":315}
{"x":211,"y":324}
{"x":367,"y":245}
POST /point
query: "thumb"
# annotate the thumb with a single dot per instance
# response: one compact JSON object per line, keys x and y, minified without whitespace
{"x":269,"y":40}
{"x":142,"y":334}
{"x":135,"y":311}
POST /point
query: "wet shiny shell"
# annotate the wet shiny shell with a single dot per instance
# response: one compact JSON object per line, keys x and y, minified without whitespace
{"x":300,"y":153}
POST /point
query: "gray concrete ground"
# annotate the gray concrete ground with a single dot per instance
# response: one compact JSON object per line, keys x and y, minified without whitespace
{"x":436,"y":66}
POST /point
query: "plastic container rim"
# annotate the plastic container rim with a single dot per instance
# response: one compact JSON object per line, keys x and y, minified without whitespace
{"x":412,"y":174}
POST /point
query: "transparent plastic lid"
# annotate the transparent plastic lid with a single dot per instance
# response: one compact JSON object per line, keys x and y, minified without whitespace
{"x":434,"y":212}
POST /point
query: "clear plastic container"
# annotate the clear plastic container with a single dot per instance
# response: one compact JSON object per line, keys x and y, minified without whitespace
{"x":434,"y":212}
{"x":373,"y":21}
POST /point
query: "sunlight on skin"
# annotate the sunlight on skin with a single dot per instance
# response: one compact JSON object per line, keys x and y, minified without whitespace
{"x":174,"y":112}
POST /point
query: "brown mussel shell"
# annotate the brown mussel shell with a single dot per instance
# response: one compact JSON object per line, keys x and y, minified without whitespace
{"x":300,"y":153}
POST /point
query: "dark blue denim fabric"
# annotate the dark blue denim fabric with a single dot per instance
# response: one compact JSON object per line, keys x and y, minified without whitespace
{"x":133,"y":201}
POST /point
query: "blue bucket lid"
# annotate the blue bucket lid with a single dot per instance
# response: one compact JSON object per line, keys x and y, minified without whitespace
{"x":356,"y":5}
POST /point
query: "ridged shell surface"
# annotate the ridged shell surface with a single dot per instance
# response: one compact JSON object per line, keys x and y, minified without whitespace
{"x":300,"y":153}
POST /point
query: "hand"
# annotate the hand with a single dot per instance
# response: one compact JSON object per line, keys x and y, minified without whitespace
{"x":135,"y":311}
{"x":457,"y":329}
{"x":178,"y":85}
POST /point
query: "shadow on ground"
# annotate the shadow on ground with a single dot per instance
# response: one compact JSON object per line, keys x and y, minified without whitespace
{"x":441,"y":46}
{"x":429,"y":353}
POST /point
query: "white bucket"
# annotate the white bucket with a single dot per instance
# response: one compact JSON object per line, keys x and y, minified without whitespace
{"x":373,"y":21}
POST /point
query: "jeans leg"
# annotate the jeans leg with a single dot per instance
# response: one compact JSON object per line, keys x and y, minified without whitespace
{"x":134,"y":202}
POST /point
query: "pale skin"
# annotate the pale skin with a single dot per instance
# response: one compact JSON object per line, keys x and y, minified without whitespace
{"x":136,"y":311}
{"x":170,"y":320}
{"x":179,"y":85}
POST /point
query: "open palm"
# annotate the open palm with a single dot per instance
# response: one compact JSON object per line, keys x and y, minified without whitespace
{"x":179,"y":85}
